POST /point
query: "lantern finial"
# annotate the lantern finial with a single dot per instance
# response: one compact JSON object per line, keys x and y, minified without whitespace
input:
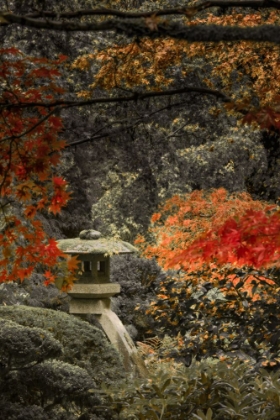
{"x":89,"y":234}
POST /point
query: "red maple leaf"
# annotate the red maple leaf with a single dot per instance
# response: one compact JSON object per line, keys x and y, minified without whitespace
{"x":50,"y":278}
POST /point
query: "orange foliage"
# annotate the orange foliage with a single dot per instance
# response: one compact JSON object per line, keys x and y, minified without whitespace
{"x":144,"y":63}
{"x":246,"y":69}
{"x":185,"y":219}
{"x":253,"y":240}
{"x":198,"y":233}
{"x":255,"y":65}
{"x":30,"y":152}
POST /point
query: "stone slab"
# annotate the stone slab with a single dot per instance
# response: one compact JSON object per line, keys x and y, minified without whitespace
{"x":89,"y":306}
{"x":94,"y":291}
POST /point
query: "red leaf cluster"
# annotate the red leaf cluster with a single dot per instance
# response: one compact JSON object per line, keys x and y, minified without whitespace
{"x":251,"y":240}
{"x":215,"y":232}
{"x":30,"y":151}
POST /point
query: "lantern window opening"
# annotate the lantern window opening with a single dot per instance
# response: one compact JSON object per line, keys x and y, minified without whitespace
{"x":101,"y":266}
{"x":87,"y":266}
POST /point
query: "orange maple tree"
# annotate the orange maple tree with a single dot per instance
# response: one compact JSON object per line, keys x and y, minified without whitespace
{"x":225,"y":291}
{"x":30,"y":153}
{"x":214,"y":231}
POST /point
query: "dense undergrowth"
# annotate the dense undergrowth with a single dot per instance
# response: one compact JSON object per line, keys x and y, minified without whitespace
{"x":63,"y":380}
{"x":206,"y":390}
{"x":215,"y":355}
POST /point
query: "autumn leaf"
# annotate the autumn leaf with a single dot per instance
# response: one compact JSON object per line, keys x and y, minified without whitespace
{"x":7,"y":252}
{"x":30,"y":211}
{"x":62,"y":58}
{"x":59,"y":182}
{"x":152,"y":22}
{"x":50,"y":278}
{"x":73,"y":263}
{"x":56,"y":122}
{"x":51,"y":249}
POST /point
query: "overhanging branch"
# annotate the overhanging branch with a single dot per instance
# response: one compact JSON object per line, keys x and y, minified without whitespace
{"x":116,"y":131}
{"x":135,"y":96}
{"x":139,"y":28}
{"x":185,"y":11}
{"x":188,"y":10}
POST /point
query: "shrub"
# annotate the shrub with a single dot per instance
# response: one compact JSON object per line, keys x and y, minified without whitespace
{"x":83,"y":345}
{"x":220,"y":320}
{"x":22,"y":347}
{"x":51,"y":365}
{"x":208,"y":390}
{"x":32,"y":382}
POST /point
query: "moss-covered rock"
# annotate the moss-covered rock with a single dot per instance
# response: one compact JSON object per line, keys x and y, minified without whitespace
{"x":83,"y":344}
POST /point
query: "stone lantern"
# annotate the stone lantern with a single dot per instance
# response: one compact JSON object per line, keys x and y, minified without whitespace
{"x":92,"y":291}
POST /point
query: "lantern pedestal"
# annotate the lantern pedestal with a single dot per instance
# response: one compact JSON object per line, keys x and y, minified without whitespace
{"x":113,"y":328}
{"x":92,"y":291}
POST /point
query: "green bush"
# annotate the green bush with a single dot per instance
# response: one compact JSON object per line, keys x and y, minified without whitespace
{"x":33,"y":382}
{"x":222,"y":319}
{"x":16,"y":411}
{"x":22,"y":347}
{"x":83,"y":345}
{"x":51,"y":366}
{"x":208,"y":390}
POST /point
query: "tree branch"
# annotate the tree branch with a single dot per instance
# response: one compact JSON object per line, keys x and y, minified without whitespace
{"x":14,"y":136}
{"x":139,"y":28}
{"x":103,"y":11}
{"x":135,"y":96}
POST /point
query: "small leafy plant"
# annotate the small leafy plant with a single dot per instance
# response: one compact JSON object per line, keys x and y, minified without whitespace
{"x":207,"y":390}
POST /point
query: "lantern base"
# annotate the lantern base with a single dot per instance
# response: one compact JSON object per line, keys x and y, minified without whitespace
{"x":113,"y":328}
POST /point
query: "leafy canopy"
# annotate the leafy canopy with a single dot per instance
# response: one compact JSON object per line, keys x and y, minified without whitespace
{"x":214,"y":227}
{"x":30,"y":153}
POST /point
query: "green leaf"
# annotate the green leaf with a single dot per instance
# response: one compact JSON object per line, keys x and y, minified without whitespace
{"x":166,"y":384}
{"x":152,"y":415}
{"x":200,"y":415}
{"x":209,"y":414}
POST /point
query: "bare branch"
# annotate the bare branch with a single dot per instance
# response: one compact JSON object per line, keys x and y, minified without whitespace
{"x":140,"y":119}
{"x":135,"y":96}
{"x":102,"y":11}
{"x":139,"y":28}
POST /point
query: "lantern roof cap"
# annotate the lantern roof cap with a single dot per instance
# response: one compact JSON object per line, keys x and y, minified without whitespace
{"x":91,"y":242}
